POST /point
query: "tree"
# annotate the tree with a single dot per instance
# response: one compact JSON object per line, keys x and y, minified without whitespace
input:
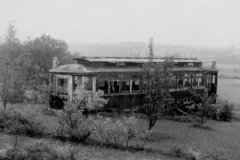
{"x":12,"y":67}
{"x":158,"y":79}
{"x":206,"y":103}
{"x":44,"y":48}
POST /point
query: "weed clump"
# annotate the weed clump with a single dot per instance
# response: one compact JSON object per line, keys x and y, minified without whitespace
{"x":177,"y":150}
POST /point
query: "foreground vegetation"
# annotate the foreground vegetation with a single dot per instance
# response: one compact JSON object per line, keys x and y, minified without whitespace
{"x":168,"y":138}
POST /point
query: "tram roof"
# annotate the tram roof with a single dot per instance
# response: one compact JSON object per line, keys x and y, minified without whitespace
{"x":85,"y":70}
{"x":134,"y":59}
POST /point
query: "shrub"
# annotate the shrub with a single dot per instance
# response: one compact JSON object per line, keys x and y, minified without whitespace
{"x":224,"y":112}
{"x":39,"y":151}
{"x":32,"y":96}
{"x":5,"y":117}
{"x":141,"y":138}
{"x":103,"y":130}
{"x":212,"y":111}
{"x":15,"y":122}
{"x":15,"y":153}
{"x":119,"y":132}
{"x":72,"y":125}
{"x":177,"y":150}
{"x":84,"y":101}
{"x":130,"y":128}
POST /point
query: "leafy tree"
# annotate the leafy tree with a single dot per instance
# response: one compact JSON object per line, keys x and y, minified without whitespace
{"x":13,"y":65}
{"x":159,"y":80}
{"x":206,"y":103}
{"x":44,"y":48}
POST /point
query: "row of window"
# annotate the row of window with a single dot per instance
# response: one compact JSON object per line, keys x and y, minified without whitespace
{"x":117,"y":86}
{"x":114,"y":85}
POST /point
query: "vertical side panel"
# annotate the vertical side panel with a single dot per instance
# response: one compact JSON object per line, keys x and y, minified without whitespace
{"x":70,"y":87}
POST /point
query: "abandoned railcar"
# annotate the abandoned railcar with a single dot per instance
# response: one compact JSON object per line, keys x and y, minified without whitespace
{"x":121,"y":81}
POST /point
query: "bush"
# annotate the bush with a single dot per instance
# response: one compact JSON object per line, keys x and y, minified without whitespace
{"x":15,"y":122}
{"x":141,"y":138}
{"x":5,"y":117}
{"x":41,"y":150}
{"x":72,"y":125}
{"x":103,"y":130}
{"x":212,"y":111}
{"x":118,"y":132}
{"x":224,"y":112}
{"x":177,"y":150}
{"x":38,"y":151}
{"x":16,"y":153}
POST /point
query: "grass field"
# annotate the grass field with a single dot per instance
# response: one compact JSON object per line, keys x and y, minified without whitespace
{"x":218,"y":136}
{"x":229,"y":84}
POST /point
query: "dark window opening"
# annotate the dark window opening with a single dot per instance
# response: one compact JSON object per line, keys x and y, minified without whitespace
{"x":62,"y":85}
{"x":195,"y":83}
{"x":180,"y":82}
{"x":125,"y":86}
{"x":135,"y":85}
{"x":201,"y":80}
{"x":77,"y":82}
{"x":187,"y":83}
{"x":114,"y":86}
{"x":102,"y":85}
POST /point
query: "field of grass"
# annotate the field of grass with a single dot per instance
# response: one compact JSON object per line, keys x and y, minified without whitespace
{"x":229,"y":84}
{"x":216,"y":137}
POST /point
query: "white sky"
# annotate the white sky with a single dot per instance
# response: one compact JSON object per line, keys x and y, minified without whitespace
{"x":212,"y":23}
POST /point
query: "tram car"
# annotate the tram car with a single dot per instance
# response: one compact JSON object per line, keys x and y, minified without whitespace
{"x":121,"y":81}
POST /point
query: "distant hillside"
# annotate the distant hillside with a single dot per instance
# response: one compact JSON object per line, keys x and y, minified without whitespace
{"x":135,"y":49}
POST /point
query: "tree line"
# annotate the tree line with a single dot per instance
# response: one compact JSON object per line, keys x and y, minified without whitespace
{"x":25,"y":64}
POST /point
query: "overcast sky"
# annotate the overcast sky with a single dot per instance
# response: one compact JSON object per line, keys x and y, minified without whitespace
{"x":212,"y":23}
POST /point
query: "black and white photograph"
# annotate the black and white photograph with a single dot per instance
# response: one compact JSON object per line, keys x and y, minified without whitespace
{"x":119,"y":79}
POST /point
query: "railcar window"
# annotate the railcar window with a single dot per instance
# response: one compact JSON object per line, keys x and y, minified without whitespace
{"x":195,"y":83}
{"x":136,"y":85}
{"x":143,"y":85}
{"x":89,"y":83}
{"x":62,"y":85}
{"x":114,"y":86}
{"x":200,"y":80}
{"x":77,"y":81}
{"x":180,"y":82}
{"x":187,"y":80}
{"x":102,"y":85}
{"x":187,"y":84}
{"x":125,"y":86}
{"x":213,"y":79}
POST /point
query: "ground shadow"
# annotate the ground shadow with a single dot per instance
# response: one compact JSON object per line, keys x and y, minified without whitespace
{"x":201,"y":126}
